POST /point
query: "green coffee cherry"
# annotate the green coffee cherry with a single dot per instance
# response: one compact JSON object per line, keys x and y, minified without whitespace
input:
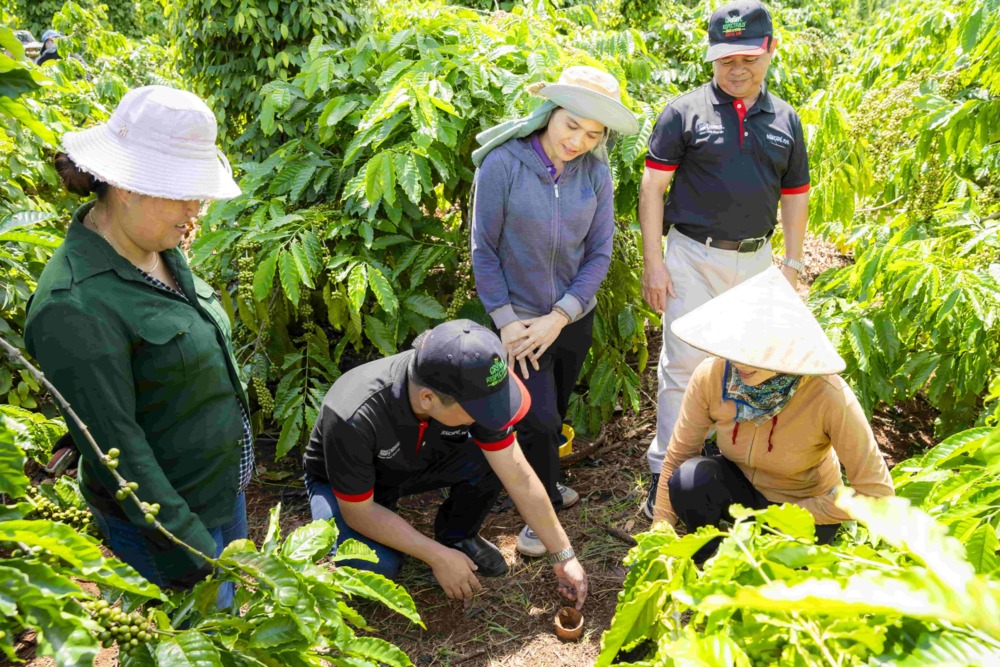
{"x":114,"y":452}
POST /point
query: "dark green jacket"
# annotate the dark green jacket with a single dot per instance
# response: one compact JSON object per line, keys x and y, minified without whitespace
{"x":148,"y":373}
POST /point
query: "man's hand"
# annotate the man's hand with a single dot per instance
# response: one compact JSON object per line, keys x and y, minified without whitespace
{"x":540,"y":334}
{"x":511,"y":335}
{"x":456,"y":573}
{"x":791,"y":275}
{"x":657,"y":285}
{"x":572,"y":581}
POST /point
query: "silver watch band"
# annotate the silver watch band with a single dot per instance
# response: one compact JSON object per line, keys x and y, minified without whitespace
{"x":563,"y":555}
{"x":794,"y":263}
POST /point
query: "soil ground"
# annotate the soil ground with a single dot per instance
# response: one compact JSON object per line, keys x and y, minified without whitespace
{"x":510,"y":623}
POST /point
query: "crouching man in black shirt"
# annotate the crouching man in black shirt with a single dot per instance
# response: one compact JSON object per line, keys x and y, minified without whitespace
{"x":439,"y":415}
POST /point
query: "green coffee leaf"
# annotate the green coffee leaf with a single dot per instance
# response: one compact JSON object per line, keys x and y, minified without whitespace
{"x":188,"y":649}
{"x":352,"y":549}
{"x":309,"y":542}
{"x":379,"y":650}
{"x":277,"y":631}
{"x":291,"y":277}
{"x":270,"y":573}
{"x":422,"y":304}
{"x":382,"y":290}
{"x":378,"y":333}
{"x":357,"y":286}
{"x":376,"y":587}
{"x":263,"y":278}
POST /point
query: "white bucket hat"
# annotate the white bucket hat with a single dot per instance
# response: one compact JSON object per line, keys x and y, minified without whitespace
{"x":761,"y":323}
{"x":160,"y":142}
{"x":590,"y":93}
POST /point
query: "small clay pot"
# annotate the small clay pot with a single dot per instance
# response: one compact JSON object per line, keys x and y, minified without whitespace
{"x":569,"y":624}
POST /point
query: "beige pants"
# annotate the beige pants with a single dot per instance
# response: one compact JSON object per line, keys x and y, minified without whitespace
{"x":699,"y":273}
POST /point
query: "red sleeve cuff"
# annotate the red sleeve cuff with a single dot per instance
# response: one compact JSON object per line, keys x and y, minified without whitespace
{"x":354,"y":498}
{"x":651,"y":164}
{"x":496,"y":446}
{"x":795,"y":191}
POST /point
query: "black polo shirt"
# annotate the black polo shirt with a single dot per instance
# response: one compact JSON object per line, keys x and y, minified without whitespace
{"x":732,"y":164}
{"x":367,"y":436}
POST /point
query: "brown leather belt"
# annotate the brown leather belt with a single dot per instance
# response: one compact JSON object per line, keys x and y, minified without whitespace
{"x":744,"y":245}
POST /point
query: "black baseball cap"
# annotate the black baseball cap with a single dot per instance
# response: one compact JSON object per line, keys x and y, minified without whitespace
{"x":739,"y":28}
{"x":466,"y":361}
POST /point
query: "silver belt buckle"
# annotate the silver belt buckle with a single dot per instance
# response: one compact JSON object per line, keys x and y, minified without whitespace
{"x":753,"y":245}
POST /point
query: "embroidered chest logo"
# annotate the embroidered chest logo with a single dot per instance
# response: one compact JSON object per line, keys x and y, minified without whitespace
{"x":457,"y":433}
{"x":389,"y":453}
{"x":709,"y":129}
{"x":498,"y":371}
{"x":779,"y":139}
{"x":733,"y":26}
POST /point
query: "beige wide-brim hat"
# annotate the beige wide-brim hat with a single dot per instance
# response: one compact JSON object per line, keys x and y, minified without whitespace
{"x":160,"y":142}
{"x":592,"y":94}
{"x":761,"y":323}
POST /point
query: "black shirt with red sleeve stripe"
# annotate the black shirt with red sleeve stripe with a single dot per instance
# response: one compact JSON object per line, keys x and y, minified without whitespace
{"x":367,"y":437}
{"x":732,"y":163}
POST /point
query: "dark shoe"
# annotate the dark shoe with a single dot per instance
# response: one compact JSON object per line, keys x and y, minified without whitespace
{"x":651,"y":496}
{"x":483,"y":553}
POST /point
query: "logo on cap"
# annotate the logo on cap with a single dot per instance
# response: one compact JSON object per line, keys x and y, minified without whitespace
{"x":734,"y":26}
{"x":498,"y":371}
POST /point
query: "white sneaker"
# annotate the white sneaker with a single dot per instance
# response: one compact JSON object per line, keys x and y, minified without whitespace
{"x":569,"y":496}
{"x":529,"y":545}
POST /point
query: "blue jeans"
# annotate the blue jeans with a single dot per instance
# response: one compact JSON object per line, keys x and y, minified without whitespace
{"x":324,"y":506}
{"x":127,"y":542}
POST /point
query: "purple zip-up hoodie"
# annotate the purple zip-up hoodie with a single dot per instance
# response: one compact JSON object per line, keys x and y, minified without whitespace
{"x":537,"y":243}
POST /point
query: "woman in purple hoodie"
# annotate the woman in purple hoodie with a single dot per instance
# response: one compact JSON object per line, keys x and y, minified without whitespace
{"x":542,"y":230}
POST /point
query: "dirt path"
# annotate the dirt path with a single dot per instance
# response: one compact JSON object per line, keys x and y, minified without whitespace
{"x":510,"y":623}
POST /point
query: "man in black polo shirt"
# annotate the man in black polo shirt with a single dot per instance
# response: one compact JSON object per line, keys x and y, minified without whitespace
{"x":732,"y":151}
{"x":439,"y":415}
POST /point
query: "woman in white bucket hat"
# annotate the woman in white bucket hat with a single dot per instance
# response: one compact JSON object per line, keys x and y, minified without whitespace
{"x":785,"y":421}
{"x":542,"y":230}
{"x":139,"y":345}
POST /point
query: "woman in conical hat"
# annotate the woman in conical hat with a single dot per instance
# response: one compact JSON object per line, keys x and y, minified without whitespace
{"x":785,"y":420}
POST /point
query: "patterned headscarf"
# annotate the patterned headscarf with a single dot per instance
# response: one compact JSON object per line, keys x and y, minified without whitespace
{"x":760,"y":403}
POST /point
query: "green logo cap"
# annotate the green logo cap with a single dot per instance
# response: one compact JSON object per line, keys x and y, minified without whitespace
{"x":498,"y":371}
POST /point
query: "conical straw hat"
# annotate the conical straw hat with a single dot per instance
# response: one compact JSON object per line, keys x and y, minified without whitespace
{"x":761,"y":323}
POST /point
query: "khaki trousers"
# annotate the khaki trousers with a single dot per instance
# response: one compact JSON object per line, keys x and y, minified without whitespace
{"x":699,"y":273}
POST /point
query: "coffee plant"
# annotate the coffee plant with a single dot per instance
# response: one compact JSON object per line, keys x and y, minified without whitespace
{"x":292,"y":595}
{"x":907,"y":184}
{"x":915,"y":582}
{"x":230,"y":50}
{"x":121,"y":16}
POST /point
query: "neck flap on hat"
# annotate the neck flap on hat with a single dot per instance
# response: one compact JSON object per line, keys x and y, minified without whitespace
{"x":758,"y":403}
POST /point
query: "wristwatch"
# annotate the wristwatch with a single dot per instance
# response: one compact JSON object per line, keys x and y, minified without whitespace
{"x":794,"y":263}
{"x":563,"y":555}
